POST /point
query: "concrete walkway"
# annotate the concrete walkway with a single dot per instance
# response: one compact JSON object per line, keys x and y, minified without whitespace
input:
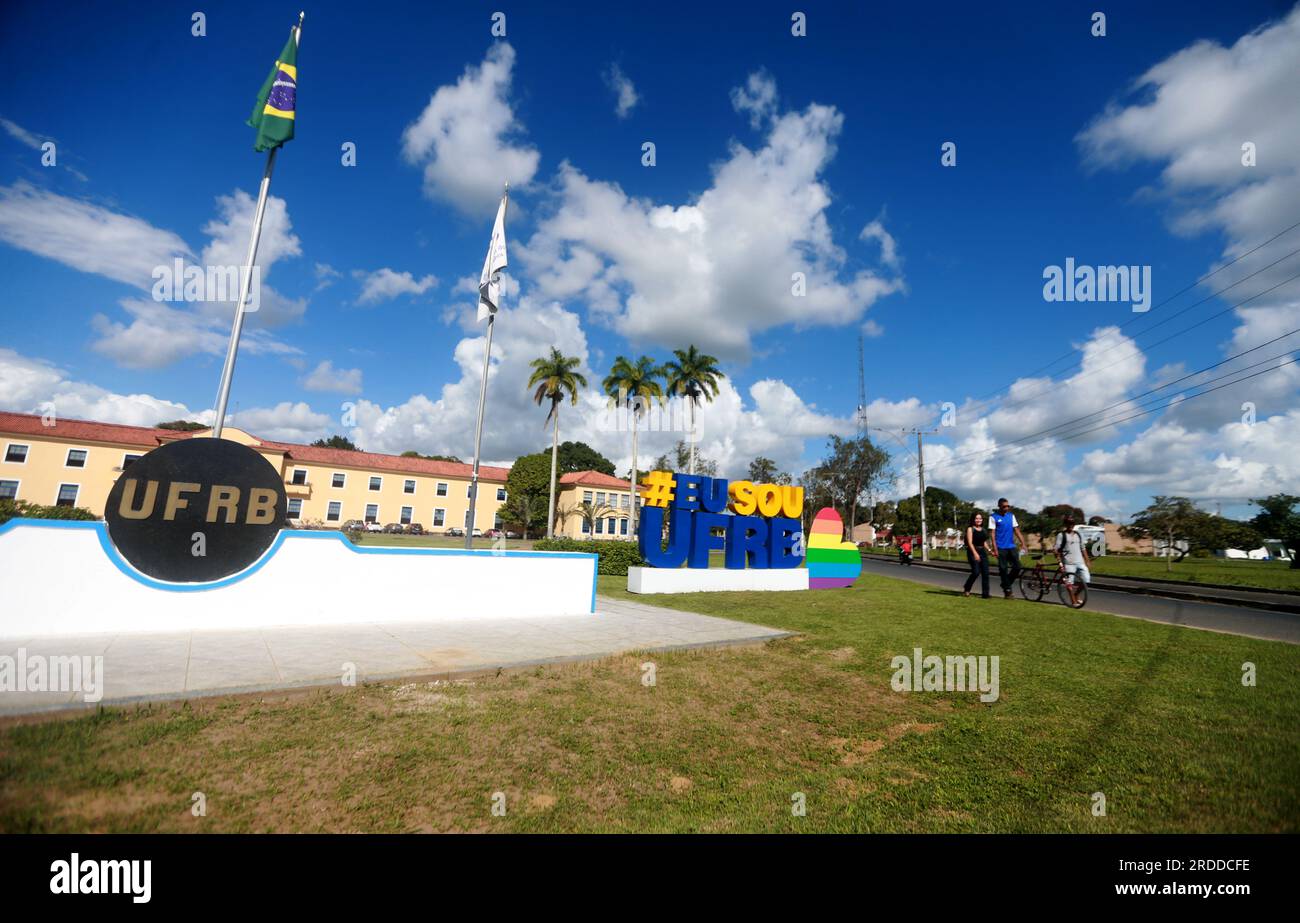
{"x":178,"y":665}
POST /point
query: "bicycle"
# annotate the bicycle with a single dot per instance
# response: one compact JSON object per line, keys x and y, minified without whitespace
{"x":1037,"y":581}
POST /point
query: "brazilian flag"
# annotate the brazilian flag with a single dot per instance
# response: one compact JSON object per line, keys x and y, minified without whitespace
{"x":273,"y":113}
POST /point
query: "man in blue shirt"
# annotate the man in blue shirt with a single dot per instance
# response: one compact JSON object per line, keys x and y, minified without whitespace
{"x":1009,"y":541}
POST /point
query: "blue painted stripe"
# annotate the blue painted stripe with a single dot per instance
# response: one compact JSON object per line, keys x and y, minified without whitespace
{"x":831,"y":569}
{"x":101,"y":530}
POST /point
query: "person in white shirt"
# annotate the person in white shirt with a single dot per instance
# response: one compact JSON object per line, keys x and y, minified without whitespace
{"x":1073,"y":557}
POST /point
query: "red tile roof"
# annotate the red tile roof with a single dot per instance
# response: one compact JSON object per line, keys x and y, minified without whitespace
{"x":594,"y":479}
{"x":24,"y":424}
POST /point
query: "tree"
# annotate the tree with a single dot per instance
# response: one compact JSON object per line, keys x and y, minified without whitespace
{"x":1177,"y":520}
{"x":1280,"y":519}
{"x":634,"y":385}
{"x":524,"y":509}
{"x":588,"y":513}
{"x":853,"y":467}
{"x":681,"y":458}
{"x":182,"y":426}
{"x":942,"y":509}
{"x":694,"y":376}
{"x":336,"y":442}
{"x":411,"y":453}
{"x":556,"y":377}
{"x":1058,"y":511}
{"x":1098,"y":521}
{"x":529,"y":476}
{"x":763,"y":470}
{"x":578,"y":456}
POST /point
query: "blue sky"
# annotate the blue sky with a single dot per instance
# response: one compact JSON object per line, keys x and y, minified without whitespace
{"x":773,"y":154}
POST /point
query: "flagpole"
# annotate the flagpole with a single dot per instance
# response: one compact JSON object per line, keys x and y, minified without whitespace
{"x":482,"y":403}
{"x":245,"y":283}
{"x":228,"y":370}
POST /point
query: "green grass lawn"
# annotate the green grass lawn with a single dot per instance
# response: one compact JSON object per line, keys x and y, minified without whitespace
{"x":1153,"y":716}
{"x":380,"y":539}
{"x":1271,"y":575}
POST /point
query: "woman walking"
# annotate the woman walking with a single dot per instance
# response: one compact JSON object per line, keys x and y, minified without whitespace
{"x":977,"y":554}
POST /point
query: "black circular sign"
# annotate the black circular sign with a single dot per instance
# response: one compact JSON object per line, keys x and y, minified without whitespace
{"x":196,"y":510}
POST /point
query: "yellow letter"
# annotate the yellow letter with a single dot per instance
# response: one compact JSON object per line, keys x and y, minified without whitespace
{"x":742,"y":497}
{"x":174,"y":501}
{"x":791,"y":501}
{"x":225,"y":498}
{"x":769,"y":500}
{"x":128,"y":500}
{"x":261,"y":506}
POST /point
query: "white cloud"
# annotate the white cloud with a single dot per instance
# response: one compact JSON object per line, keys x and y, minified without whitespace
{"x":466,"y":138}
{"x":624,"y":92}
{"x":386,"y":284}
{"x":85,"y":236}
{"x":757,"y":98}
{"x":29,"y":385}
{"x":719,"y":269}
{"x":325,"y":275}
{"x":327,"y":378}
{"x":285,"y":422}
{"x":888,"y":246}
{"x":21,"y":134}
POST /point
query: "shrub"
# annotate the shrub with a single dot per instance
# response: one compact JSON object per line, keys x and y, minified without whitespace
{"x":12,"y":509}
{"x":615,"y":557}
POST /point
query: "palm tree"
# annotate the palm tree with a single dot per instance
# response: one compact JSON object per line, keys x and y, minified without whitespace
{"x":521,"y":508}
{"x":693,"y":376}
{"x":555,"y":377}
{"x":590,"y":513}
{"x":637,"y":384}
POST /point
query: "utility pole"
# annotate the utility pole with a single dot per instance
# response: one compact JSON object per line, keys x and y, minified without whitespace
{"x":920,"y":477}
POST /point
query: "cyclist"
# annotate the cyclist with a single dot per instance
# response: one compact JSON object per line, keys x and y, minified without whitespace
{"x":1073,"y":558}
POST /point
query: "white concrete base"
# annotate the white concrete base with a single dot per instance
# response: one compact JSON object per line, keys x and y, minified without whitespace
{"x":709,"y":579}
{"x":60,"y":578}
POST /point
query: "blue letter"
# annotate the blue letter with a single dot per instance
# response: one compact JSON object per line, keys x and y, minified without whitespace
{"x":780,"y":543}
{"x":746,"y":538}
{"x":713,"y":494}
{"x":702,"y":538}
{"x":650,"y":538}
{"x":687,"y":491}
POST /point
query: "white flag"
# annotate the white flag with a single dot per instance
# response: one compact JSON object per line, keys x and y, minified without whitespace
{"x":489,"y":283}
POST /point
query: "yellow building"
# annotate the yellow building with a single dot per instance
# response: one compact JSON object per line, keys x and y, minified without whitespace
{"x":610,"y":496}
{"x":76,"y":462}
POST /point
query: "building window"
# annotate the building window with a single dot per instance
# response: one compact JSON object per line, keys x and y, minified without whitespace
{"x":299,"y":476}
{"x":408,"y":487}
{"x":372,"y":512}
{"x":439,"y":517}
{"x":624,"y":501}
{"x":376,"y":483}
{"x":496,"y":521}
{"x":622,"y":527}
{"x":335,"y":511}
{"x":76,"y":458}
{"x":600,"y":498}
{"x":295,"y":508}
{"x":442,"y":489}
{"x":339,"y":479}
{"x":406,"y":516}
{"x":67,"y":495}
{"x":586,"y":496}
{"x":586,"y":527}
{"x":128,"y":459}
{"x":501,"y":494}
{"x":600,"y":527}
{"x":610,"y":520}
{"x":8,"y":490}
{"x":15,"y":453}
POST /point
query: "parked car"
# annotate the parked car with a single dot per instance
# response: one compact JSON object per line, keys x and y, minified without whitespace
{"x":454,"y":532}
{"x":510,"y":534}
{"x":478,"y":533}
{"x":394,"y":528}
{"x":414,"y":529}
{"x":353,"y":525}
{"x":374,"y":527}
{"x":492,"y":533}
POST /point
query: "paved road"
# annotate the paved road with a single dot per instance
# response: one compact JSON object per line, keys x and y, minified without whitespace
{"x":1236,"y":620}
